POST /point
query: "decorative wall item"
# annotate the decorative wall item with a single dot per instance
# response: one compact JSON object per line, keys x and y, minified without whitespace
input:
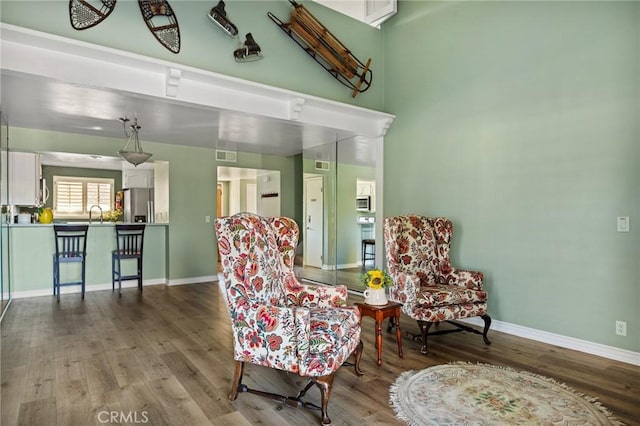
{"x":162,"y":22}
{"x":157,"y":14}
{"x":315,"y":39}
{"x":249,"y":51}
{"x":84,"y":15}
{"x":218,"y":16}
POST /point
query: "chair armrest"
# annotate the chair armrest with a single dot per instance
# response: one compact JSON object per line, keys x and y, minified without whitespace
{"x":463,"y":278}
{"x":314,"y":296}
{"x":405,"y":287}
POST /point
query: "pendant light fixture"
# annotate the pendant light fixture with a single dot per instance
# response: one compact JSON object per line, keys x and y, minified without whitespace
{"x":137,"y":156}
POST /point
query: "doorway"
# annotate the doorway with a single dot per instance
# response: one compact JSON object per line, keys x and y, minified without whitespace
{"x":314,"y":223}
{"x":243,"y":189}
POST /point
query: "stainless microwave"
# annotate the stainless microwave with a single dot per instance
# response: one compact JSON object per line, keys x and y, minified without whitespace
{"x":363,"y":203}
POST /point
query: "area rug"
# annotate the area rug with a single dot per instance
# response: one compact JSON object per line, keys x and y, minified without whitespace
{"x":482,"y":394}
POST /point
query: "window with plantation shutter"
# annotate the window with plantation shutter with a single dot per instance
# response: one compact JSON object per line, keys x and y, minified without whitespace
{"x":68,"y":197}
{"x":74,"y":196}
{"x":99,"y":194}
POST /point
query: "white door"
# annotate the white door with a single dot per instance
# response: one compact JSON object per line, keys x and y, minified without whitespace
{"x":313,"y":226}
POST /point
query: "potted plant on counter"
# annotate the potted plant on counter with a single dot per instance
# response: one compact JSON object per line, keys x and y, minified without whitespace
{"x":112,"y":215}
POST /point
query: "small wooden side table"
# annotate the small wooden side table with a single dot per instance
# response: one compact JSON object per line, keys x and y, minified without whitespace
{"x":379,"y":313}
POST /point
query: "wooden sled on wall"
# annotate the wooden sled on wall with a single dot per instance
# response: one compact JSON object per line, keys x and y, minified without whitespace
{"x":315,"y":39}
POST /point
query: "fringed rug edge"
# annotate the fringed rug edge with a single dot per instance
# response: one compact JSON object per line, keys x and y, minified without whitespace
{"x":403,"y":377}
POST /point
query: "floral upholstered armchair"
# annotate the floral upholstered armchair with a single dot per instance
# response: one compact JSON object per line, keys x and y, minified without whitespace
{"x":276,"y":321}
{"x":430,"y":289}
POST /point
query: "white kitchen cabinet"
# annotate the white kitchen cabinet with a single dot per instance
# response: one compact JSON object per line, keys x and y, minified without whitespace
{"x":21,"y":183}
{"x":137,"y":178}
{"x":365,"y":187}
{"x":372,"y":12}
{"x":378,"y":11}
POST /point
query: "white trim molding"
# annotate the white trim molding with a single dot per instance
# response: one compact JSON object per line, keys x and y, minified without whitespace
{"x":193,"y":280}
{"x":585,"y":346}
{"x":88,"y":288}
{"x":74,"y":61}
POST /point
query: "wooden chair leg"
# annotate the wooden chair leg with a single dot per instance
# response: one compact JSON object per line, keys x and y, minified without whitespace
{"x":357,"y":354}
{"x":424,"y":329}
{"x":325,"y":383}
{"x":140,"y":274}
{"x":487,"y":324}
{"x":119,"y":277}
{"x":84,"y":274}
{"x":237,"y":378}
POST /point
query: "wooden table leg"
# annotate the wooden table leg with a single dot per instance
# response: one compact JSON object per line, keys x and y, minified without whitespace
{"x":379,"y":318}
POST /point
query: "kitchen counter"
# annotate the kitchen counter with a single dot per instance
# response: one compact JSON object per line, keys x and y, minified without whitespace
{"x":31,"y":247}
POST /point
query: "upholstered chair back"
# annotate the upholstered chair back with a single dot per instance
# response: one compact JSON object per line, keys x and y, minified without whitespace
{"x":410,"y":244}
{"x":258,"y":272}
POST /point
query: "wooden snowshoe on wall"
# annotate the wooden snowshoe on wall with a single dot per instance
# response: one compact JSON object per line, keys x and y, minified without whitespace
{"x":315,"y":39}
{"x":86,"y":14}
{"x":162,"y":22}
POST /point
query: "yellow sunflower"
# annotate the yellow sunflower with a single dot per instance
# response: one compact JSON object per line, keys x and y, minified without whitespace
{"x":376,"y":279}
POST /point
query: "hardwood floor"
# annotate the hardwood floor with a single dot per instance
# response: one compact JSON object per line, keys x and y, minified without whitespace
{"x":165,"y":358}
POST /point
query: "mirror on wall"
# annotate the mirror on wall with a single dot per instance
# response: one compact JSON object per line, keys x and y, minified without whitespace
{"x":338,"y":236}
{"x":318,"y":227}
{"x":356,"y":197}
{"x":5,"y":282}
{"x":328,"y":181}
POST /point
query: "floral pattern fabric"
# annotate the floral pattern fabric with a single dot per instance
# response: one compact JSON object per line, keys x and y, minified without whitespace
{"x":429,"y":288}
{"x":277,"y":321}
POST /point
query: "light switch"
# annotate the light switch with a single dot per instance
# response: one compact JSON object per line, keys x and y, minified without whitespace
{"x":207,"y":219}
{"x":623,"y":224}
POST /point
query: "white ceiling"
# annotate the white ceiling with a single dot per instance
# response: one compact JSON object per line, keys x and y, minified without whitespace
{"x":36,"y":102}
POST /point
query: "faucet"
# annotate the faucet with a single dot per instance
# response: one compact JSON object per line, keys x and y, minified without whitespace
{"x":91,"y":210}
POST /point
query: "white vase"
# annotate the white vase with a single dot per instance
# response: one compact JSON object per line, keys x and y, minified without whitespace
{"x":375,"y":297}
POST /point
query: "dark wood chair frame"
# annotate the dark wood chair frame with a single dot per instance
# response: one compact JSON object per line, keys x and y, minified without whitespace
{"x":71,"y":247}
{"x":129,"y":245}
{"x":324,"y":383}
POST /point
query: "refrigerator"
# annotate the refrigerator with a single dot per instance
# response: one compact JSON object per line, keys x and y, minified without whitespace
{"x":138,"y":205}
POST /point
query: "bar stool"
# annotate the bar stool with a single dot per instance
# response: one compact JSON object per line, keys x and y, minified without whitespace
{"x":129,"y":245}
{"x":366,"y":254}
{"x":71,"y":247}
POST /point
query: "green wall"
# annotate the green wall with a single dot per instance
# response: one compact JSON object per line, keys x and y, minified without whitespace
{"x":206,"y":46}
{"x":520,"y":122}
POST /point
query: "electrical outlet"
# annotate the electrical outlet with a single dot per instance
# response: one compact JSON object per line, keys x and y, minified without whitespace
{"x":621,"y":328}
{"x":623,"y":224}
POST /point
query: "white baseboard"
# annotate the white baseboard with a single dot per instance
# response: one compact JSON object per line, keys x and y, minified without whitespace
{"x":88,"y":288}
{"x":193,"y":280}
{"x":107,"y":286}
{"x":592,"y":348}
{"x":350,"y":265}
